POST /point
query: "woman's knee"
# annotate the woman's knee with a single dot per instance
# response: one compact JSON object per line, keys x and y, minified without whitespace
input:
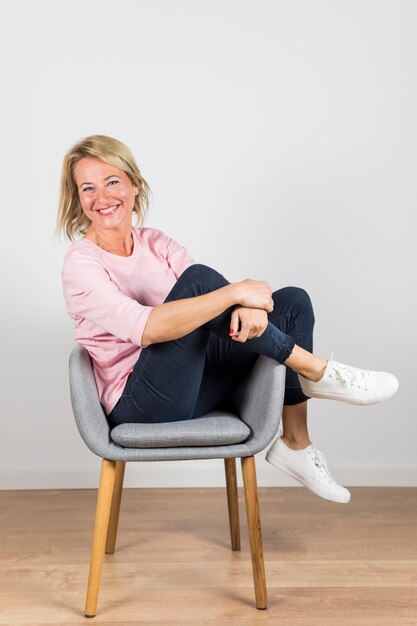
{"x":299,"y":299}
{"x":204,"y":274}
{"x":196,"y":280}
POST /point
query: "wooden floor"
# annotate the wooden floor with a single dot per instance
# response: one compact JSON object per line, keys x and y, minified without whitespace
{"x":326,"y":564}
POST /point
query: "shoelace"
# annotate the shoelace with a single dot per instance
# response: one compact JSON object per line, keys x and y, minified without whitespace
{"x":350,"y":375}
{"x":320,"y":462}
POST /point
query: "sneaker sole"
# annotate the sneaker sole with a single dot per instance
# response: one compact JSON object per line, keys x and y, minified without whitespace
{"x":301,"y":478}
{"x":332,"y":396}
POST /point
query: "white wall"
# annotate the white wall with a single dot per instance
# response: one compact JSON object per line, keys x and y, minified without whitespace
{"x":279,"y":139}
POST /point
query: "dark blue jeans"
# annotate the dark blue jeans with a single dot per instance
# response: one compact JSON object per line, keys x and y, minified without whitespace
{"x":187,"y":377}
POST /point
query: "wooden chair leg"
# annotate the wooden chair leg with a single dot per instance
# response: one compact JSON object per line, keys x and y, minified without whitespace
{"x":254,"y":528}
{"x":104,"y":501}
{"x":232,"y":502}
{"x":115,"y":507}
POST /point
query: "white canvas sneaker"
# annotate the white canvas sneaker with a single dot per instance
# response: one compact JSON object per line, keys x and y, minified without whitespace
{"x":309,"y":467}
{"x":350,"y":384}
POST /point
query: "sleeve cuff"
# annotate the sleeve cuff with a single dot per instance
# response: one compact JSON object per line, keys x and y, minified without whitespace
{"x":137,"y":335}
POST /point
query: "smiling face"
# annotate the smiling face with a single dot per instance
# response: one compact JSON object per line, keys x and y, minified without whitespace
{"x":106,"y":193}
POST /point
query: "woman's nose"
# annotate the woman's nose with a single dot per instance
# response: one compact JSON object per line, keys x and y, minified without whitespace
{"x":102,"y":195}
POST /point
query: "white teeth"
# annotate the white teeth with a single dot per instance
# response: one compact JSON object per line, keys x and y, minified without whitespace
{"x":109,"y":210}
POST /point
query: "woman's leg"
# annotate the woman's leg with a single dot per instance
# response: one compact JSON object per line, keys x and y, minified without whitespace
{"x":227,"y":361}
{"x":293,"y":452}
{"x":166,"y":379}
{"x":294,"y":426}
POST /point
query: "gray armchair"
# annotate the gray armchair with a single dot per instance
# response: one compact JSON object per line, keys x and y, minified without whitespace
{"x":246,"y":427}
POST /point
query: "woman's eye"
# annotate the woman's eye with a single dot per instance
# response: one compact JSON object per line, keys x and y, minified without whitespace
{"x":110,"y":182}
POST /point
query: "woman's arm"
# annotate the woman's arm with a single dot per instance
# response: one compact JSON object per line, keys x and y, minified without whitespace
{"x":175,"y":319}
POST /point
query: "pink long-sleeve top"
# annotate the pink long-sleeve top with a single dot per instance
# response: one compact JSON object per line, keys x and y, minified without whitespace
{"x":110,"y":298}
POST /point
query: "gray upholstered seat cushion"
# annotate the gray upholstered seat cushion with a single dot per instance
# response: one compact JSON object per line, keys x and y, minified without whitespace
{"x":221,"y":429}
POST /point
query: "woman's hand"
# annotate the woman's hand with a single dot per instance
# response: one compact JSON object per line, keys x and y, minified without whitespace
{"x":247,"y":323}
{"x":254,"y":294}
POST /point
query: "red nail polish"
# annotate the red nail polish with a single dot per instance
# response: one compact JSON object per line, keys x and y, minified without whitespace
{"x":231,"y":332}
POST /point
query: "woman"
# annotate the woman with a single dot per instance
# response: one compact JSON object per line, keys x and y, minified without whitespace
{"x":169,"y":338}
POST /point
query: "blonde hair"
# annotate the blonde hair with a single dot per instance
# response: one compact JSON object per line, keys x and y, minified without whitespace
{"x":71,"y":218}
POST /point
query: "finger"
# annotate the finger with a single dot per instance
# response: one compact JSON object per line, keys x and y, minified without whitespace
{"x":244,"y":332}
{"x":234,"y":322}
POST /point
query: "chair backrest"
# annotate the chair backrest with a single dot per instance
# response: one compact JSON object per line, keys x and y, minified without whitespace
{"x":257,"y":400}
{"x":88,"y":412}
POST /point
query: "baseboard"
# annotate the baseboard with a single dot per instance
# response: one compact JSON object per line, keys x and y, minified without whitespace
{"x":195,"y":474}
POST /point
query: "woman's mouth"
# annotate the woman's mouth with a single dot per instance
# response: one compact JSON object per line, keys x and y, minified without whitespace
{"x":108,"y":210}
